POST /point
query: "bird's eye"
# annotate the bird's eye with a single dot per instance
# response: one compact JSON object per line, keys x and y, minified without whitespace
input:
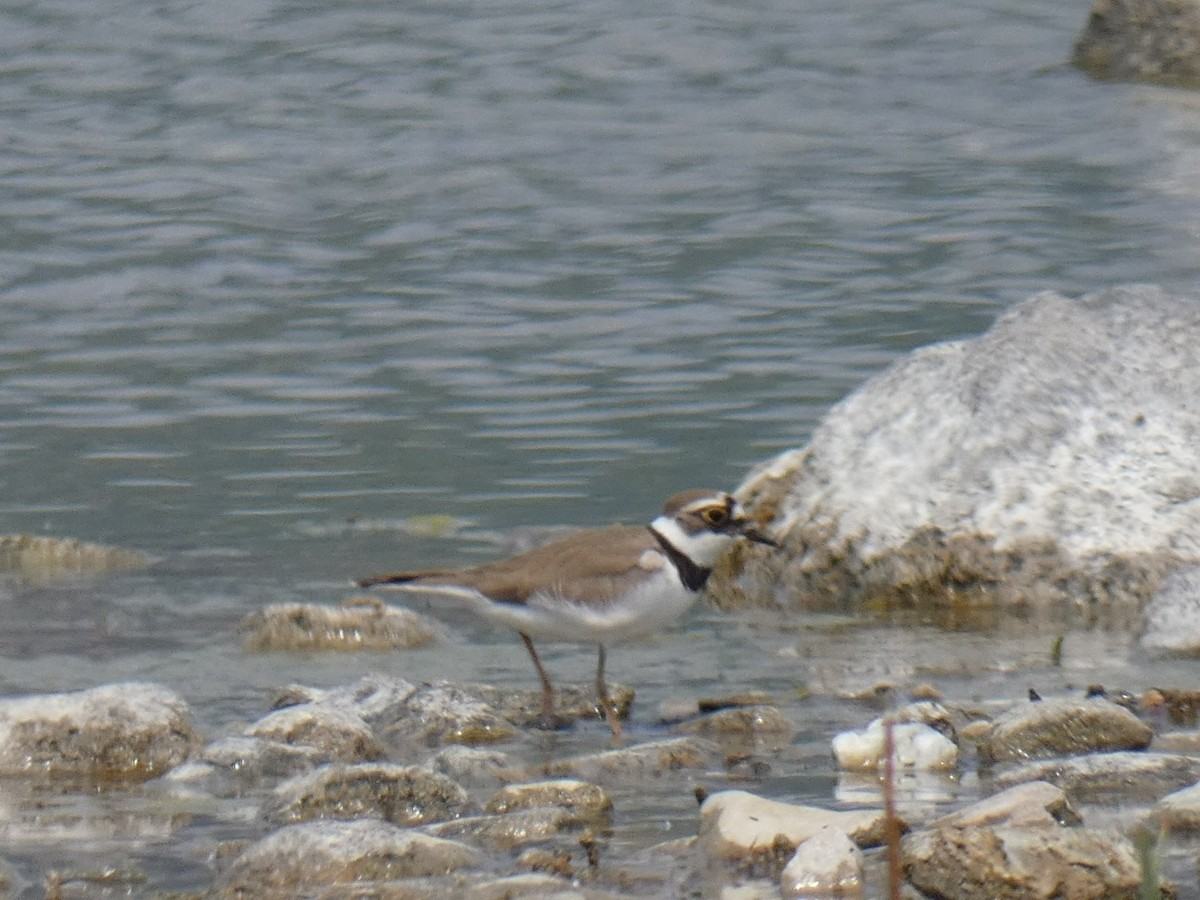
{"x":716,"y":515}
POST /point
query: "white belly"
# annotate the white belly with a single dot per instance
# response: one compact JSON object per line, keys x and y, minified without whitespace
{"x":658,"y":602}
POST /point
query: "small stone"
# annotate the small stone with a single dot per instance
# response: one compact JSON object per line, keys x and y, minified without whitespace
{"x":828,"y":864}
{"x":123,"y":731}
{"x":1002,"y":862}
{"x":403,"y":795}
{"x":338,"y":733}
{"x":297,"y":859}
{"x":372,"y":625}
{"x":1063,"y":727}
{"x":586,"y":802}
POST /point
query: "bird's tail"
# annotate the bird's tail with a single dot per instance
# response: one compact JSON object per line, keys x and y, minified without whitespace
{"x":399,"y":577}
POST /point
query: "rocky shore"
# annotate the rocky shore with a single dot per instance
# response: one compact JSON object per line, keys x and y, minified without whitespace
{"x":1042,"y":473}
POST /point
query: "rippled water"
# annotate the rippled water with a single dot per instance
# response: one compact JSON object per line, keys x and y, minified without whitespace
{"x":283,"y":284}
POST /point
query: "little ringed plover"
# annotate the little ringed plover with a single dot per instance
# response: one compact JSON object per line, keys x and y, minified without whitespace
{"x":598,"y":586}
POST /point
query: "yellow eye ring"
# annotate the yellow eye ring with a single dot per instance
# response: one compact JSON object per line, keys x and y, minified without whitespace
{"x":716,"y":515}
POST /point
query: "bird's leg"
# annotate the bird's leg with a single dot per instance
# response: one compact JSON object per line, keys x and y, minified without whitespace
{"x":549,"y":720}
{"x":610,"y":709}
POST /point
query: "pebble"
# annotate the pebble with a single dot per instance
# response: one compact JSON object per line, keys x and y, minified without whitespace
{"x":1178,"y":811}
{"x":511,"y":830}
{"x":763,"y":726}
{"x":40,"y":559}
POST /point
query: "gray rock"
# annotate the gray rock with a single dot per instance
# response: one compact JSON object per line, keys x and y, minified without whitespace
{"x":335,"y":732}
{"x":403,"y":795}
{"x":574,"y":702}
{"x":1109,"y":777}
{"x":530,"y":885}
{"x":372,"y":696}
{"x":298,"y":859}
{"x":365,"y":625}
{"x":472,"y":766}
{"x":1035,"y":804}
{"x":828,"y":864}
{"x":1003,"y":862}
{"x":124,"y":731}
{"x":1142,"y":40}
{"x":586,"y":802}
{"x":1049,"y":461}
{"x":444,"y":713}
{"x":254,"y":757}
{"x":763,"y":727}
{"x":511,"y":830}
{"x":1062,"y":727}
{"x":652,"y":759}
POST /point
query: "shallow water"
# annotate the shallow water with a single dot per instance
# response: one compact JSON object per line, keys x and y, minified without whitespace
{"x":290,"y":293}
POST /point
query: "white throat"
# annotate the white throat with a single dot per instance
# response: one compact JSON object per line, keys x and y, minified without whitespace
{"x":702,"y":549}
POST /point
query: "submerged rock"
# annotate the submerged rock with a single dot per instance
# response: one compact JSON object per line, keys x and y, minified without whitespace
{"x":42,"y":559}
{"x":1142,"y":40}
{"x":336,"y":732}
{"x":403,"y":795}
{"x":445,"y":713}
{"x":1049,"y":461}
{"x":652,"y":759}
{"x":366,"y":624}
{"x":1109,"y":777}
{"x":586,"y":802}
{"x":125,"y":731}
{"x":1063,"y":727}
{"x":298,"y":859}
{"x":511,"y":830}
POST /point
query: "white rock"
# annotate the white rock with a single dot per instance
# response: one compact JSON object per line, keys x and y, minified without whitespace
{"x":1067,"y":431}
{"x":915,"y":746}
{"x":745,"y":830}
{"x":828,"y":864}
{"x":1172,"y":616}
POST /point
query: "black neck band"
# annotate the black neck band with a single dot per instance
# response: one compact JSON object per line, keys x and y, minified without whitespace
{"x":693,"y":576}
